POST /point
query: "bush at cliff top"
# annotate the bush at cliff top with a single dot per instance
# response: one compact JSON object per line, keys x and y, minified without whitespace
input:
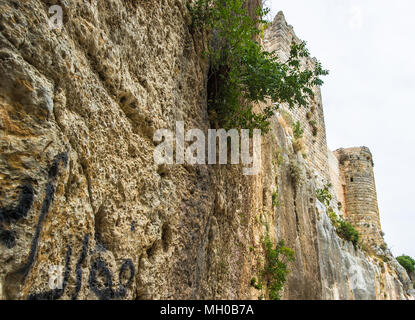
{"x":242,"y":73}
{"x":407,"y":262}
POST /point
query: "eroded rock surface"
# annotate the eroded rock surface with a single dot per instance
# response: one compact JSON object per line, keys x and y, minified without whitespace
{"x":85,"y":213}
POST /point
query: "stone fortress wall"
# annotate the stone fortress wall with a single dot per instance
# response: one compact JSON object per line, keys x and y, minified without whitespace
{"x":345,"y":271}
{"x":349,"y":171}
{"x":279,"y":39}
{"x":359,"y":189}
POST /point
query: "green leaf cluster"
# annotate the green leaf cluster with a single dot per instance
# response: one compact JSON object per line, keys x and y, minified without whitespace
{"x":324,"y":195}
{"x":344,"y":228}
{"x":276,"y":269}
{"x":298,"y":130}
{"x":242,"y":73}
{"x":275,"y":201}
{"x":407,"y":262}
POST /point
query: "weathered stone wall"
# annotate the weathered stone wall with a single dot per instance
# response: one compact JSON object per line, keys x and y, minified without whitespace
{"x":80,"y":194}
{"x":278,"y":37}
{"x":79,"y":108}
{"x":344,"y":271}
{"x":348,"y":273}
{"x":337,"y":180}
{"x":361,"y":204}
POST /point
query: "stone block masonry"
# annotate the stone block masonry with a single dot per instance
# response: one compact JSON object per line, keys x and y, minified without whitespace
{"x":353,"y":179}
{"x":361,"y":204}
{"x":278,"y":38}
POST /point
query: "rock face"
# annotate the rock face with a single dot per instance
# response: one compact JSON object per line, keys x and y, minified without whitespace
{"x":348,"y":273}
{"x":85,"y":213}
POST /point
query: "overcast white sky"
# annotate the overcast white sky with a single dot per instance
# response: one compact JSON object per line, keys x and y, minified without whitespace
{"x":369,"y":48}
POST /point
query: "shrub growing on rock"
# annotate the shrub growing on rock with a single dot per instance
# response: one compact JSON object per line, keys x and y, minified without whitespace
{"x":346,"y":231}
{"x":276,"y":269}
{"x":324,"y":195}
{"x":407,"y":262}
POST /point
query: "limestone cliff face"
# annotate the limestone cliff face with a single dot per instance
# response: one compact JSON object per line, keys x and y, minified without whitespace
{"x":83,"y":203}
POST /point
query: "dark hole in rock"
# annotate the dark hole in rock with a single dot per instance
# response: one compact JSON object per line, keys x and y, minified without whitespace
{"x":163,"y":170}
{"x":166,"y":236}
{"x":123,"y":99}
{"x":152,"y":250}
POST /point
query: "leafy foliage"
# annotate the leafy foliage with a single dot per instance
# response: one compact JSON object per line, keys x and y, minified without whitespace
{"x":275,"y":201}
{"x":296,"y":173}
{"x":242,"y":73}
{"x":276,"y":269}
{"x":348,"y":232}
{"x":257,"y":285}
{"x":344,"y":228}
{"x":324,"y":195}
{"x":313,"y":124}
{"x":407,"y":262}
{"x":298,"y":130}
{"x":279,"y":156}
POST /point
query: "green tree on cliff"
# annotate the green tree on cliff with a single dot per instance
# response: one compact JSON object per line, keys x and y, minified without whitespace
{"x":242,"y":73}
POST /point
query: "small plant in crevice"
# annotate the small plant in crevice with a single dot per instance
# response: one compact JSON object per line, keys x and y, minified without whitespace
{"x":298,"y":142}
{"x":256,"y":284}
{"x":333,"y":217}
{"x":242,"y":73}
{"x":348,"y":232}
{"x":286,"y":116}
{"x":299,"y":146}
{"x":384,"y":258}
{"x":276,"y":267}
{"x":324,"y":195}
{"x":314,"y":128}
{"x":224,"y":267}
{"x":275,"y":200}
{"x":344,"y":228}
{"x":280,"y":158}
{"x":298,"y":130}
{"x":296,"y":173}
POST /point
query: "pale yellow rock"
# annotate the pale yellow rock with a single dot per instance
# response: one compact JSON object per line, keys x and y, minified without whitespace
{"x":78,"y":110}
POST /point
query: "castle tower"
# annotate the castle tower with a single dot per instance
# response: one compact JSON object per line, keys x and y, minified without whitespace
{"x":361,"y":204}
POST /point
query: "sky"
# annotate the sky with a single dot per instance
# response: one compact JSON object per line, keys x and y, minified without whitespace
{"x":368,"y":98}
